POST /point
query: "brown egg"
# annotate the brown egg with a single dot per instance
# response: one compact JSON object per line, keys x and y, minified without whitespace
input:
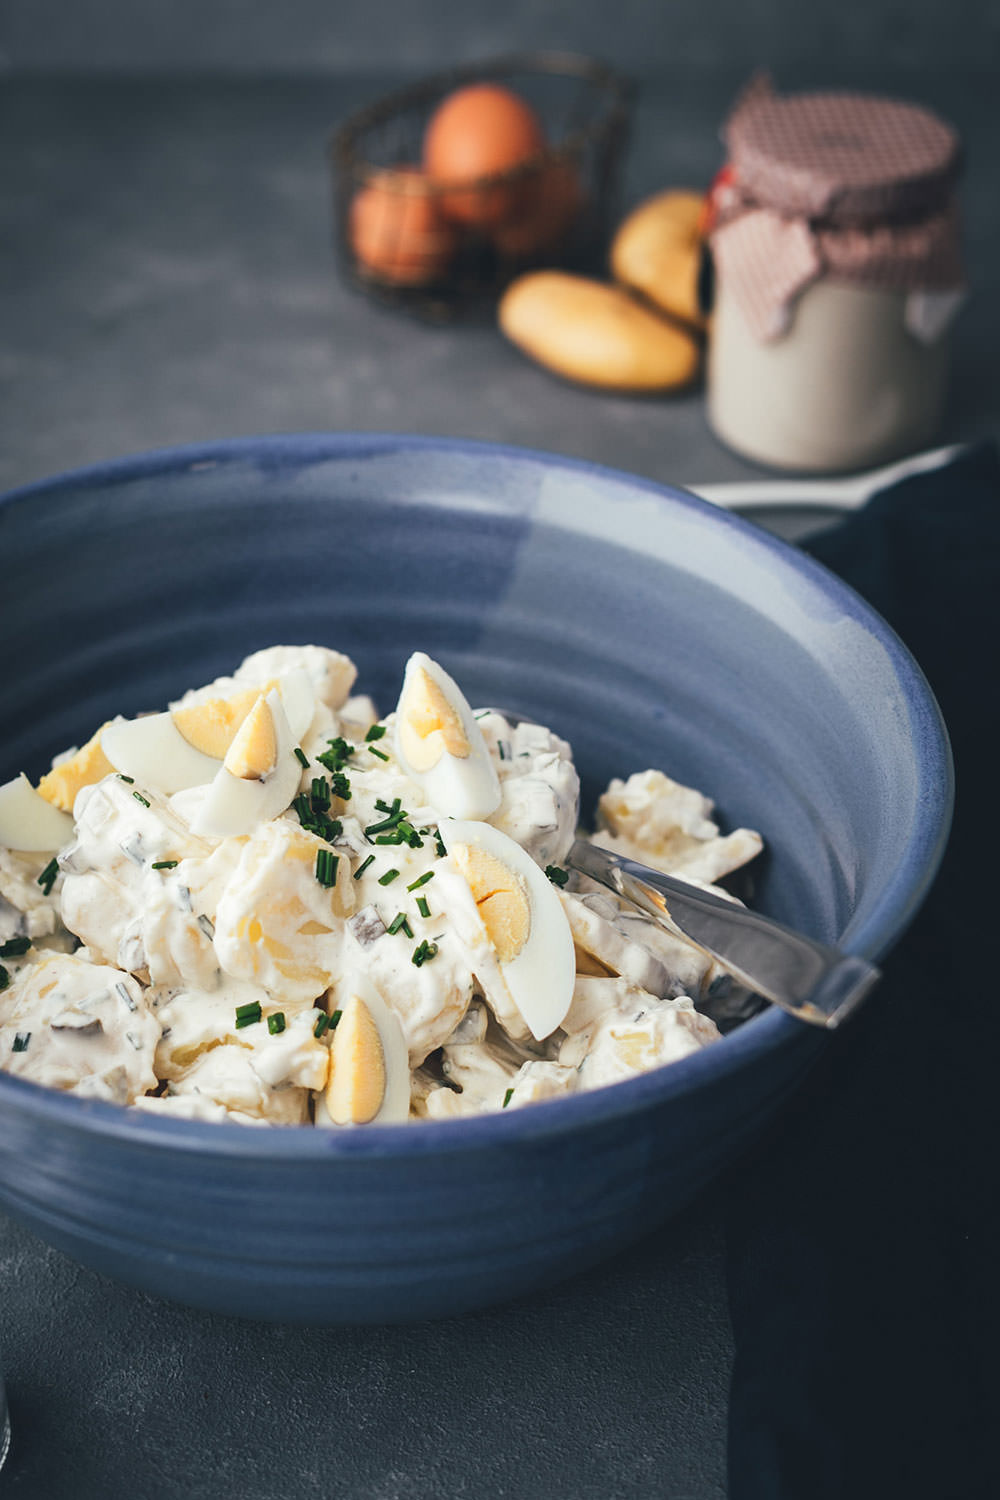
{"x":397,"y":231}
{"x":475,"y":132}
{"x":548,"y":203}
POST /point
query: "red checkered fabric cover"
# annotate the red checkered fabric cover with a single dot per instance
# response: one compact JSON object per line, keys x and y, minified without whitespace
{"x":847,"y":187}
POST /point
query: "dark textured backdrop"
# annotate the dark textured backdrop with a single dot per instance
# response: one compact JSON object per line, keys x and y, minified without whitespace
{"x":336,"y":35}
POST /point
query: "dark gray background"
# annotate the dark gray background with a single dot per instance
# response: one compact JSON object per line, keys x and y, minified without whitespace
{"x":166,"y":276}
{"x":373,"y":35}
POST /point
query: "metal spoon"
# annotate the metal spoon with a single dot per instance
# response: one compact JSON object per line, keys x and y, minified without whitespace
{"x":811,"y":980}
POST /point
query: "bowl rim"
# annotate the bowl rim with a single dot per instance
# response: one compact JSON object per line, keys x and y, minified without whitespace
{"x":767,"y":1032}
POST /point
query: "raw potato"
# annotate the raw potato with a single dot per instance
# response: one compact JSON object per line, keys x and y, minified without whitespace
{"x":657,"y":251}
{"x":596,"y":334}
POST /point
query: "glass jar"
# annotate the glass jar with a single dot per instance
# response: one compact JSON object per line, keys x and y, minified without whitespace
{"x":837,"y":274}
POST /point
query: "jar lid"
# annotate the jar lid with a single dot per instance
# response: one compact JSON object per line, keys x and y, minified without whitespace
{"x":846,"y":158}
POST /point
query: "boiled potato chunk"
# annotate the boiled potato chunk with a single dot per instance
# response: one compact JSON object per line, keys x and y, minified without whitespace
{"x":596,"y":334}
{"x":657,"y":251}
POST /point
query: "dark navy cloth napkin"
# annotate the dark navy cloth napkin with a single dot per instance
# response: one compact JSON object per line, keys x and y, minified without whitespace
{"x":864,"y":1253}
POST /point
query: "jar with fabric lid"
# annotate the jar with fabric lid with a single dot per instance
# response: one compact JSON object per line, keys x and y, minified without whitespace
{"x":833,"y":235}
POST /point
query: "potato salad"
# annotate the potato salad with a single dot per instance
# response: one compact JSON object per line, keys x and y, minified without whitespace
{"x":268,"y":905}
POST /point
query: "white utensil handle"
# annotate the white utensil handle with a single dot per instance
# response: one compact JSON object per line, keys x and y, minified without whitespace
{"x":844,"y":494}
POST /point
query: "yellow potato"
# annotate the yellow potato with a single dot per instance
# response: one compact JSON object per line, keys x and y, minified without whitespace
{"x":597,"y":334}
{"x":657,"y":251}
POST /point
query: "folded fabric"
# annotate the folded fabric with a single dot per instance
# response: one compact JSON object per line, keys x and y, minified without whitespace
{"x":863,"y":1246}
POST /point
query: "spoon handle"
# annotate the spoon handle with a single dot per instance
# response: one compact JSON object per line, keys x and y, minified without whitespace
{"x":810,"y":980}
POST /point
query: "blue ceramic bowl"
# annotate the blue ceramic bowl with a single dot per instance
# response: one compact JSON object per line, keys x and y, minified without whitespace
{"x":642,"y":624}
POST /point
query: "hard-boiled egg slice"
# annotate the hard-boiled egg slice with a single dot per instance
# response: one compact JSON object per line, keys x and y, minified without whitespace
{"x":524,"y":921}
{"x":28,"y":823}
{"x":369,"y":1077}
{"x":183,"y":748}
{"x":86,"y":767}
{"x":258,"y":778}
{"x":439,"y":744}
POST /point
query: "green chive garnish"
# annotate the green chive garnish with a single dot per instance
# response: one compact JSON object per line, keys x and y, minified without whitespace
{"x":422,"y":906}
{"x":47,"y":878}
{"x":21,"y":1041}
{"x":439,"y":846}
{"x":326,"y":867}
{"x":319,"y":794}
{"x":4,"y":978}
{"x":362,"y":867}
{"x":322,"y":1022}
{"x":14,"y":947}
{"x":247,"y":1015}
{"x":375,"y":733}
{"x":334,"y":1019}
{"x":507,"y":1098}
{"x":388,"y":877}
{"x":423,"y":953}
{"x":341,"y":786}
{"x":415,"y":885}
{"x":140,"y":798}
{"x":379,"y":753}
{"x":276,"y":1022}
{"x":557,"y":874}
{"x":165,"y":864}
{"x":399,"y":923}
{"x":396,"y":815}
{"x":303,"y":760}
{"x":122,"y":777}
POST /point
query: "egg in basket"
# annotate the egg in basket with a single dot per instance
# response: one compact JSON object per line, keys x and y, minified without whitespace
{"x":446,"y":190}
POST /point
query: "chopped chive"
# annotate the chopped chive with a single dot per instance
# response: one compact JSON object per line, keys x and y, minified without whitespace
{"x":207,"y":926}
{"x":379,"y":753}
{"x":276,"y":1022}
{"x":21,"y":1041}
{"x":122,"y":777}
{"x":248,"y":1015}
{"x":14,"y":947}
{"x":394,"y":816}
{"x":303,"y":760}
{"x":319,"y":794}
{"x":415,"y":885}
{"x":439,"y":846}
{"x":388,"y":877}
{"x":334,"y":1019}
{"x":362,"y":867}
{"x":397,"y":922}
{"x":375,"y":733}
{"x":424,"y":952}
{"x":507,"y":1098}
{"x":165,"y":864}
{"x":140,"y":798}
{"x":322,"y":1023}
{"x":557,"y":874}
{"x":4,"y":978}
{"x":47,"y":878}
{"x":341,"y":786}
{"x":502,"y":749}
{"x":246,"y":1010}
{"x":422,"y":906}
{"x":326,"y":867}
{"x":389,"y":838}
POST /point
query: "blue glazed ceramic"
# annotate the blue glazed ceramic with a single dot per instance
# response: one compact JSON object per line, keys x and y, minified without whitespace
{"x":643,"y":625}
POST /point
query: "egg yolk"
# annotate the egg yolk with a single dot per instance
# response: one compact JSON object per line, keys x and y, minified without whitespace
{"x":429,"y":725}
{"x":500,"y":896}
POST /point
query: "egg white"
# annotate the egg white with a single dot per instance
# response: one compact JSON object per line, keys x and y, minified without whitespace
{"x":28,"y":823}
{"x":457,"y":786}
{"x":541,"y":976}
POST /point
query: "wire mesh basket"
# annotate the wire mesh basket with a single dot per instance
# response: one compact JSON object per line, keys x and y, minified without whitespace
{"x":398,"y":234}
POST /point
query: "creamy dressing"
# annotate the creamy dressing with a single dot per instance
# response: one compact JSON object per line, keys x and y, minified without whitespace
{"x":209,"y":974}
